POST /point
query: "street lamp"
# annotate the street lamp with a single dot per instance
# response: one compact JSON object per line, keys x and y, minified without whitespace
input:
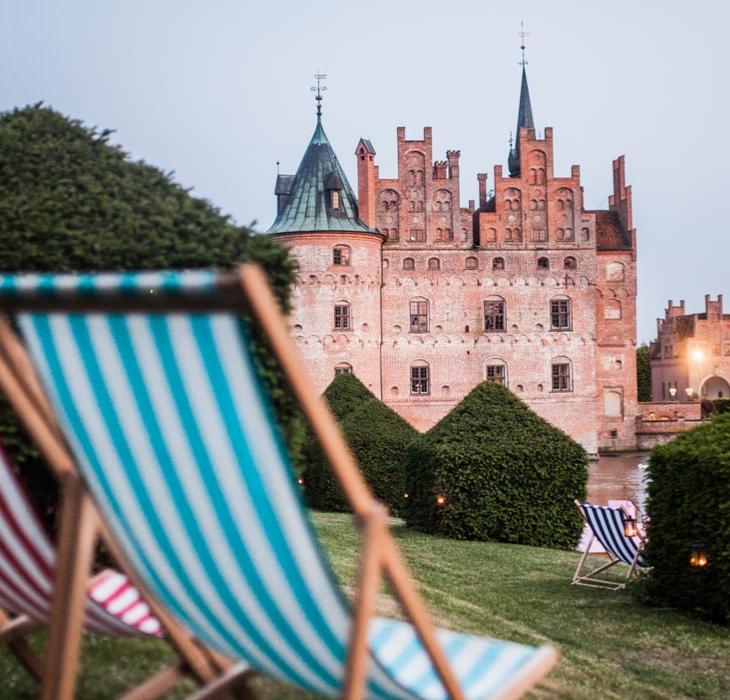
{"x":690,"y":392}
{"x":673,"y":392}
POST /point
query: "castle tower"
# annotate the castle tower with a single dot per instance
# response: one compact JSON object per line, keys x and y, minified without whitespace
{"x":336,"y":316}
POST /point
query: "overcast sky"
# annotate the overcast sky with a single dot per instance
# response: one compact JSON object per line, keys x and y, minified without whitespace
{"x":219,"y":90}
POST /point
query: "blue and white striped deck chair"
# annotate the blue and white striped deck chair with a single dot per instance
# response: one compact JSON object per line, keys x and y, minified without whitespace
{"x":157,"y":393}
{"x":606,"y":525}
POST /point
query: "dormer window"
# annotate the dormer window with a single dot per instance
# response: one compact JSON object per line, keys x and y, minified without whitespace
{"x":333,"y":185}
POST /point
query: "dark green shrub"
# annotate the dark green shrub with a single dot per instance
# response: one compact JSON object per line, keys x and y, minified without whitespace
{"x":722,"y":406}
{"x":378,"y":438}
{"x":505,"y":474}
{"x":689,"y":502}
{"x":70,"y":201}
{"x":643,"y":372}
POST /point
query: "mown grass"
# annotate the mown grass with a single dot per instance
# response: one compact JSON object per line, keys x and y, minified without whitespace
{"x":611,"y":646}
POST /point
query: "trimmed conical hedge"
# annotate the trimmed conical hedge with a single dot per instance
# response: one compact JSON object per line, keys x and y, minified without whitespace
{"x":689,"y":504}
{"x":377,"y":436}
{"x":492,"y":469}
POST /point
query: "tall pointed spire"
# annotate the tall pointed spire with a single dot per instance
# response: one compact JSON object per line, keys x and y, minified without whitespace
{"x":524,"y":113}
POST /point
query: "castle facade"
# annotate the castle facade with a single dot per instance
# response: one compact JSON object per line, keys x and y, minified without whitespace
{"x":690,"y":357}
{"x":423,"y":298}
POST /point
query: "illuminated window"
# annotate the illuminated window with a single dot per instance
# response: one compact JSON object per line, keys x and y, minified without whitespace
{"x":497,"y":373}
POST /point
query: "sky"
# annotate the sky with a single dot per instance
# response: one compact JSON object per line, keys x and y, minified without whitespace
{"x":218,"y":91}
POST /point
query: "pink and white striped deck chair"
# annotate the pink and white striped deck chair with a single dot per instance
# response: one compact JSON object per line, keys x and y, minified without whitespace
{"x":27,"y":567}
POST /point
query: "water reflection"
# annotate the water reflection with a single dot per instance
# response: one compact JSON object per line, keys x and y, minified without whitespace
{"x":618,"y":477}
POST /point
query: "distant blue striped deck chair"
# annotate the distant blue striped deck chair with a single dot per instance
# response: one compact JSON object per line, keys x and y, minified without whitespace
{"x":156,"y":388}
{"x":606,"y":524}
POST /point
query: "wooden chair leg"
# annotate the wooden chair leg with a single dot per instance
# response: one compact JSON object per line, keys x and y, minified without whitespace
{"x":369,"y":578}
{"x":12,"y":634}
{"x":582,"y":560}
{"x":76,"y":539}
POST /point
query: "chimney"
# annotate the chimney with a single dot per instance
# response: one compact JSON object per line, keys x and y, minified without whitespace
{"x":365,"y":154}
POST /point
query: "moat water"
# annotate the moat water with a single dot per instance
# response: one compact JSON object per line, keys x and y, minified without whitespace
{"x":618,"y":477}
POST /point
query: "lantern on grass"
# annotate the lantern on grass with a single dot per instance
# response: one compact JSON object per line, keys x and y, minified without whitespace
{"x":406,"y":496}
{"x":630,"y":527}
{"x":440,"y":499}
{"x":698,"y":556}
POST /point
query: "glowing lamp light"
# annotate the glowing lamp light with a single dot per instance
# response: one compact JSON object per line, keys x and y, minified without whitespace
{"x":630,"y":527}
{"x":698,"y":555}
{"x":405,"y":495}
{"x":300,"y":481}
{"x":440,"y":500}
{"x":689,"y":391}
{"x":672,"y":391}
{"x":698,"y":355}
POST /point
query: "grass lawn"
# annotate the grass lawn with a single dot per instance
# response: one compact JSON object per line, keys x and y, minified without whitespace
{"x":611,"y":646}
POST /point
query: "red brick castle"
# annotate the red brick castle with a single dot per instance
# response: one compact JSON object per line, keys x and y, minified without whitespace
{"x":423,"y":299}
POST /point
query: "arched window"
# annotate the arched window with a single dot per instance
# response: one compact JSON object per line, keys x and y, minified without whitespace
{"x":418,"y":315}
{"x":570,"y":263}
{"x":341,"y":255}
{"x":494,"y":314}
{"x":543,"y":264}
{"x":560,"y":314}
{"x":420,"y":378}
{"x":343,"y":317}
{"x":471,"y":263}
{"x":409,"y":264}
{"x":343,"y":368}
{"x":498,"y":264}
{"x":434,"y":264}
{"x":562,"y":375}
{"x":448,"y":234}
{"x":497,"y":370}
{"x":612,"y":310}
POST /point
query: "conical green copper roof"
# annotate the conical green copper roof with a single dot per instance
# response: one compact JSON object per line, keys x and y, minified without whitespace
{"x":308,"y":205}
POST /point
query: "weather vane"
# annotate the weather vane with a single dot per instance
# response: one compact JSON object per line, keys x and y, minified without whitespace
{"x":319,"y":77}
{"x":522,"y":34}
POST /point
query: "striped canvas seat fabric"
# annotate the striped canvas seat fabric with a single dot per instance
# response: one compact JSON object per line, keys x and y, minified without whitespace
{"x":607,"y":525}
{"x":175,"y":439}
{"x":27,"y":563}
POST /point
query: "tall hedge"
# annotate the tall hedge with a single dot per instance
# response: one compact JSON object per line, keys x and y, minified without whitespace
{"x":643,"y":372}
{"x":502,"y":471}
{"x":71,"y":201}
{"x":377,"y":436}
{"x":688,"y":503}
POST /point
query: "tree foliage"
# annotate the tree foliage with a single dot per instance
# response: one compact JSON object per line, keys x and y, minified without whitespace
{"x":71,"y":201}
{"x":689,"y":503}
{"x":378,"y":438}
{"x":643,"y":372}
{"x":492,"y":469}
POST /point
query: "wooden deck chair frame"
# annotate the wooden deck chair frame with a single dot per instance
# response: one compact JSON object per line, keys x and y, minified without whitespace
{"x":581,"y":578}
{"x":79,"y":527}
{"x":243,"y":290}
